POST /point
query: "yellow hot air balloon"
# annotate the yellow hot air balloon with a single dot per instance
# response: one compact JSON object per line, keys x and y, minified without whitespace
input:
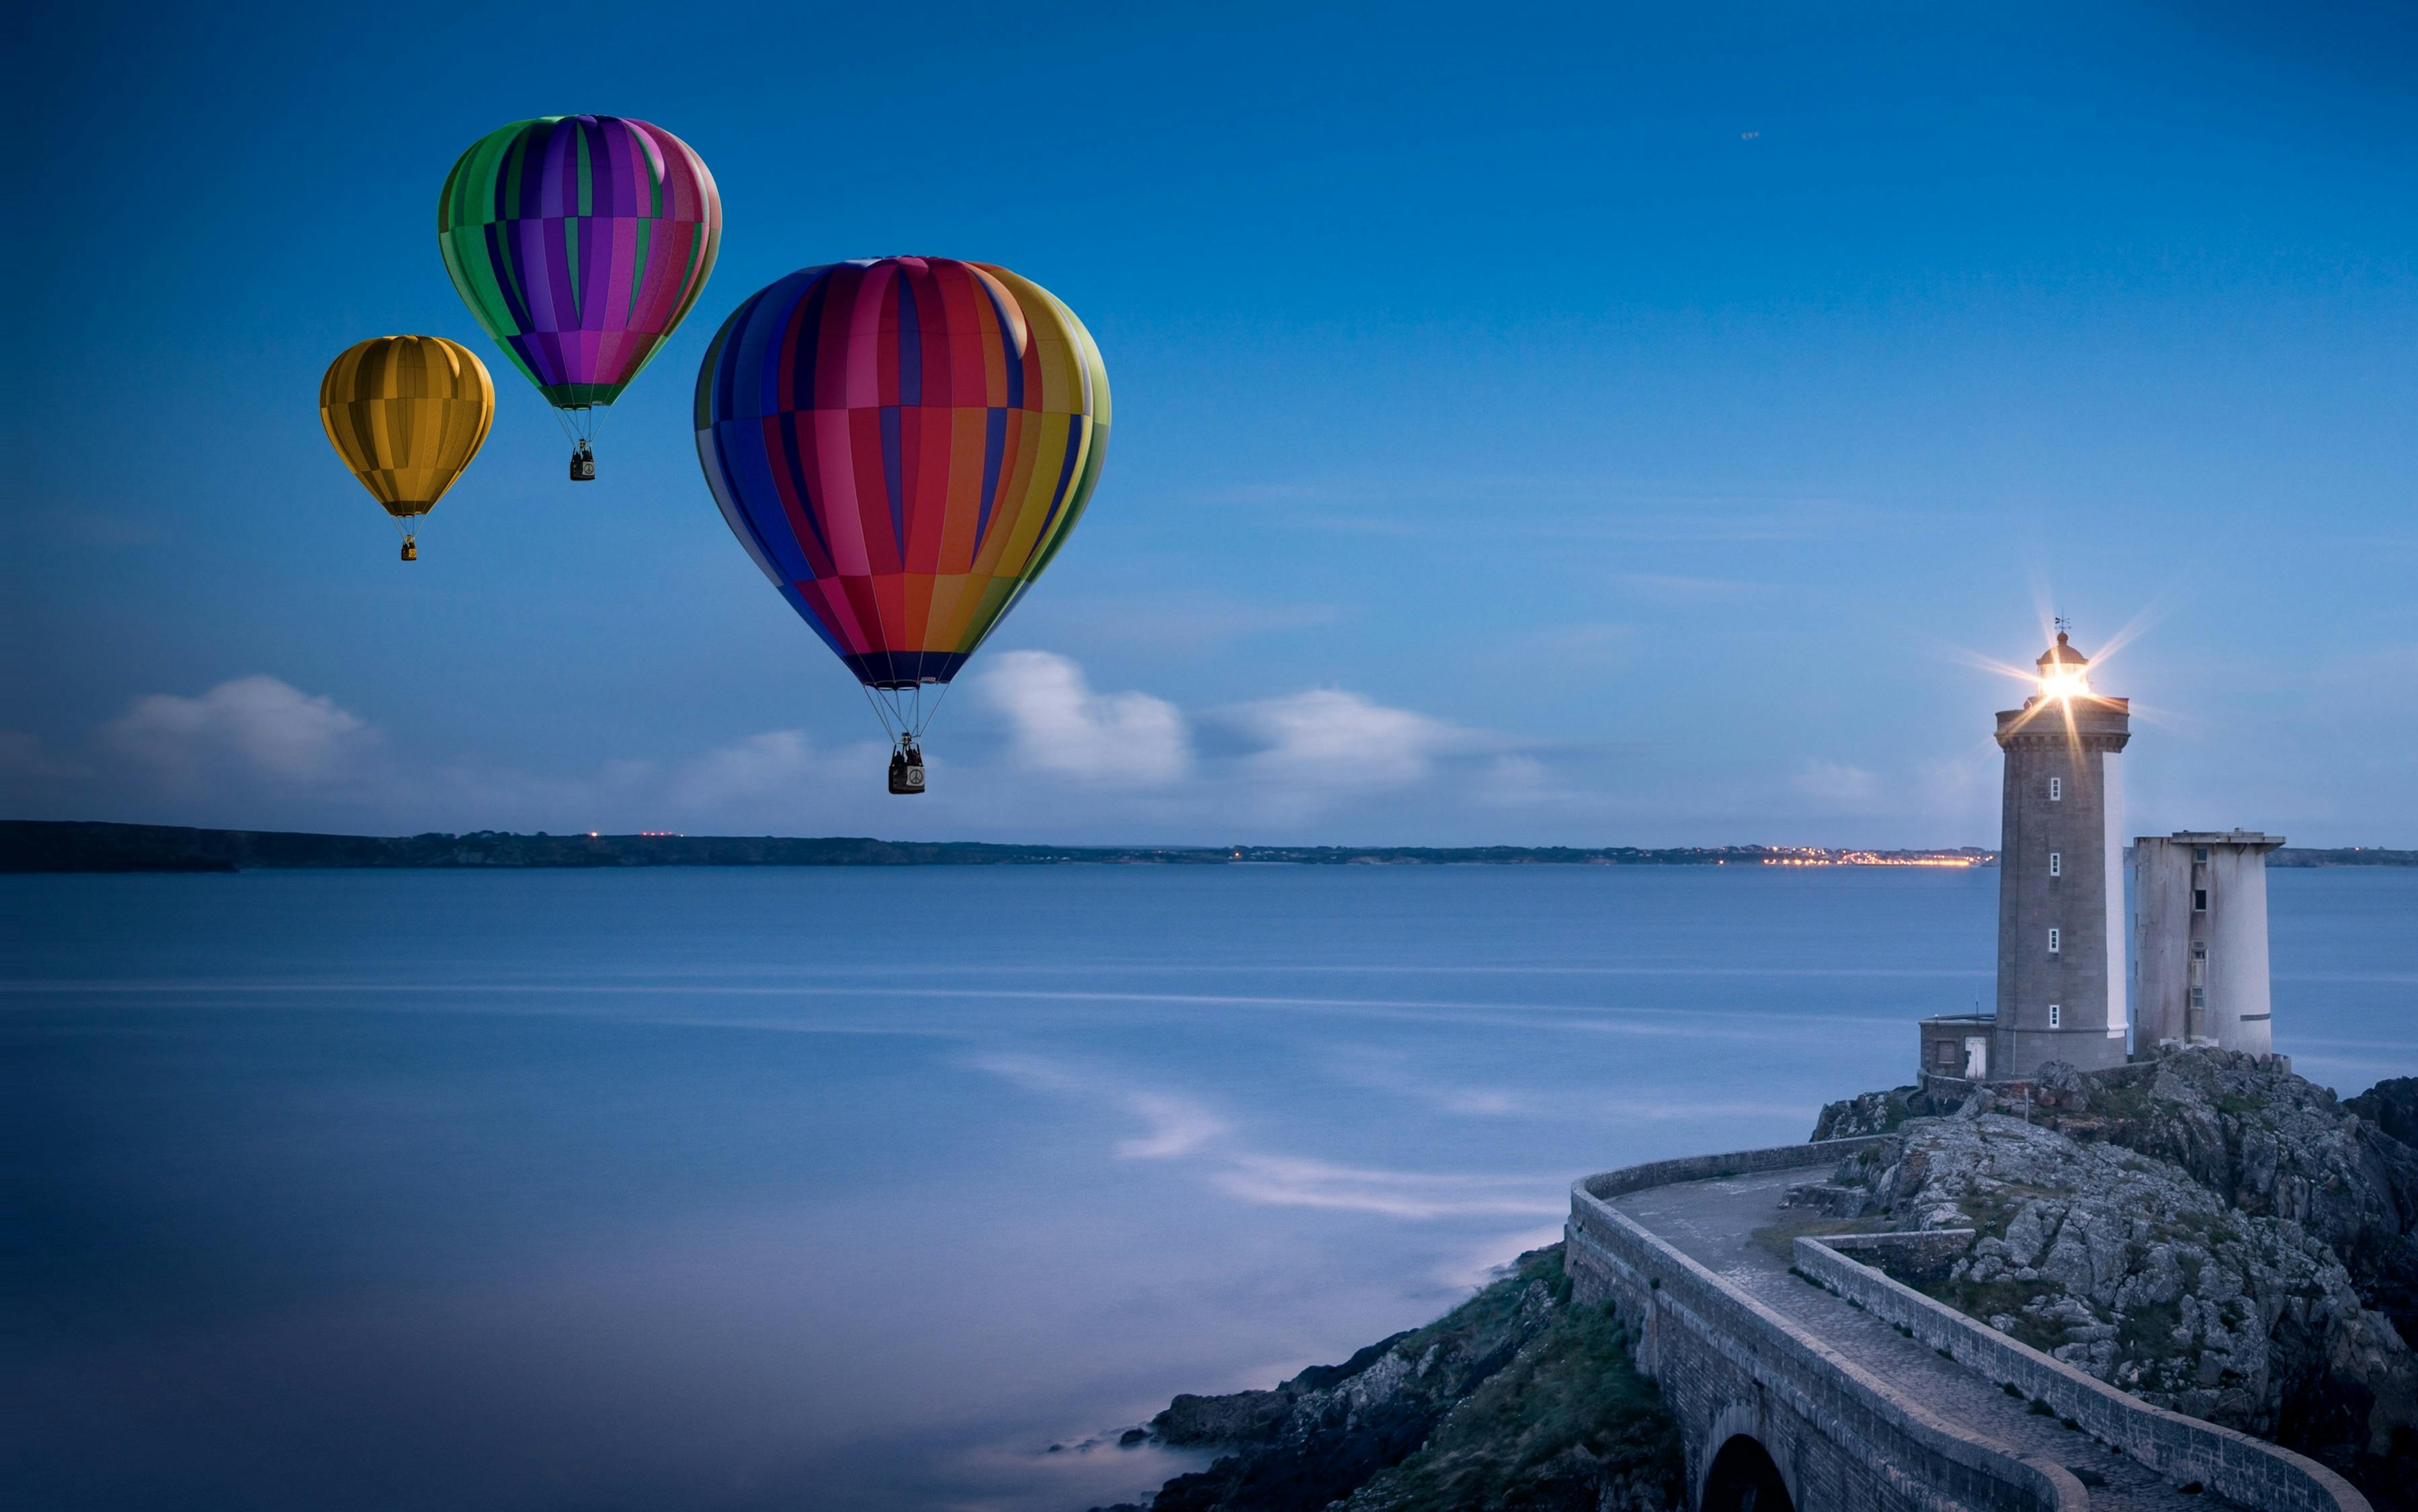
{"x":406,"y":413}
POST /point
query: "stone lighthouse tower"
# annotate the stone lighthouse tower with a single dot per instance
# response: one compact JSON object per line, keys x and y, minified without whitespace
{"x":2061,"y":930}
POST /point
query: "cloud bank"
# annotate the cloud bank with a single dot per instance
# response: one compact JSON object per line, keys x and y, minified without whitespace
{"x":1033,"y":751}
{"x":254,"y":725}
{"x":1039,"y":752}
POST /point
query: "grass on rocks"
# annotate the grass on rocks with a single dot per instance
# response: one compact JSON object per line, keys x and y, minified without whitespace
{"x":1563,"y":1424}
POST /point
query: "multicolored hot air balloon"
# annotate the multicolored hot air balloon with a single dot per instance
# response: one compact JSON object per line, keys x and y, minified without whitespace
{"x":579,"y":242}
{"x":902,"y":444}
{"x":406,"y":413}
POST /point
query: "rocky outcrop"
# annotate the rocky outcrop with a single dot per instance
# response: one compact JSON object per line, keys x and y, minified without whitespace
{"x":1517,"y":1400}
{"x":1879,"y":1113}
{"x":2205,"y":1230}
{"x":2391,"y":1106}
{"x":2271,"y":1144}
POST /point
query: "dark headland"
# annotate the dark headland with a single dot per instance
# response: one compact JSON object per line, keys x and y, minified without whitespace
{"x":81,"y":846}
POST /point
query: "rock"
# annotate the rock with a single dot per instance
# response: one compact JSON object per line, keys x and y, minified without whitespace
{"x":2274,"y":1144}
{"x":1869,"y":1113}
{"x":1830,"y":1199}
{"x":1877,"y":1112}
{"x":2391,"y":1106}
{"x":1133,"y":1436}
{"x":1237,"y":1418}
{"x":2205,"y":1230}
{"x":1462,"y":1399}
{"x":2056,"y":1083}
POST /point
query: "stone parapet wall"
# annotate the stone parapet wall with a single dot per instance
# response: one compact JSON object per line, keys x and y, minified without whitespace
{"x":1737,"y":1163}
{"x":2182,"y":1450}
{"x":1924,"y":1254}
{"x":1713,"y":1348}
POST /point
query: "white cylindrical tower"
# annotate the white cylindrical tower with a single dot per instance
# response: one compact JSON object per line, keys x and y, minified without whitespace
{"x":2199,"y":911}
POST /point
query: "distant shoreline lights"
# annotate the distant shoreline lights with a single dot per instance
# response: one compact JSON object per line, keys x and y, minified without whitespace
{"x":1810,"y":857}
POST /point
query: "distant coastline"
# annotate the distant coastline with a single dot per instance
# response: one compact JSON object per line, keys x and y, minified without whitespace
{"x":76,"y":845}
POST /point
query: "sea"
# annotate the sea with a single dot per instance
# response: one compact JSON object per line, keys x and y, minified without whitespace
{"x":736,"y":1189}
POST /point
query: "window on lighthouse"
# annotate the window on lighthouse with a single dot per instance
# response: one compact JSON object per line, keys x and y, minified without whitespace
{"x":2055,"y":864}
{"x":2055,"y":1015}
{"x":2055,"y":789}
{"x":2053,"y":941}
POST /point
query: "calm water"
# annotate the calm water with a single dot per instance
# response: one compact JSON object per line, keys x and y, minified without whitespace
{"x":742,"y":1189}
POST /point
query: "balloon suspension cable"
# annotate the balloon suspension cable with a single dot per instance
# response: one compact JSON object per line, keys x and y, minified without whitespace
{"x":901,"y":710}
{"x":926,"y":719}
{"x":881,"y":711}
{"x":578,"y":424}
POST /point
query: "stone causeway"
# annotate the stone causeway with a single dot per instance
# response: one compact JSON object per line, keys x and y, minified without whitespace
{"x":1804,"y":1379}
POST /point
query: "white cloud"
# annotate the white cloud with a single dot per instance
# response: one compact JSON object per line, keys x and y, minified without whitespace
{"x":257,"y":725}
{"x":1328,"y":737}
{"x":1059,"y":725}
{"x":258,"y":752}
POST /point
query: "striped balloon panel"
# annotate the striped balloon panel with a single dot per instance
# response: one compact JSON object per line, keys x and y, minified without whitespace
{"x":579,"y":242}
{"x":406,"y":413}
{"x":902,"y":445}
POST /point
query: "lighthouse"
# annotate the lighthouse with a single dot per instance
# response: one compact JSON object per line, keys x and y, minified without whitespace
{"x":2061,"y":930}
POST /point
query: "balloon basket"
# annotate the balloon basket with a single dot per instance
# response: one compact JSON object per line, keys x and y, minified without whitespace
{"x":410,"y":550}
{"x":905,"y":770}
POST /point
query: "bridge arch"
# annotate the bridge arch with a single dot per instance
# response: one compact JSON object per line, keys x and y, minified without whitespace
{"x":1742,"y":1476}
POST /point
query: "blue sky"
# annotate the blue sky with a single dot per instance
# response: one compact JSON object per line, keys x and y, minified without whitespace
{"x":1619,"y":425}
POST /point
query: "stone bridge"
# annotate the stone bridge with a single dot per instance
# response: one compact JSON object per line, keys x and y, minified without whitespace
{"x":1806,"y":1380}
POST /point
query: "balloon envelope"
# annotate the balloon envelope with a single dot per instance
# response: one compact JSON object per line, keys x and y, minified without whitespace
{"x":902,"y":445}
{"x":579,"y":242}
{"x":406,"y":413}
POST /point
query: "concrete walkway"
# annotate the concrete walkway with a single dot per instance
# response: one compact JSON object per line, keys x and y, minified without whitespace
{"x":1714,"y":1223}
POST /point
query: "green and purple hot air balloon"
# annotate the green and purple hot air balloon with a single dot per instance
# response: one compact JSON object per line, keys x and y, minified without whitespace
{"x":579,"y":242}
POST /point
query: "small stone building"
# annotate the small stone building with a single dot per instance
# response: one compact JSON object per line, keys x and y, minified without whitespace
{"x":1956,"y":1046}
